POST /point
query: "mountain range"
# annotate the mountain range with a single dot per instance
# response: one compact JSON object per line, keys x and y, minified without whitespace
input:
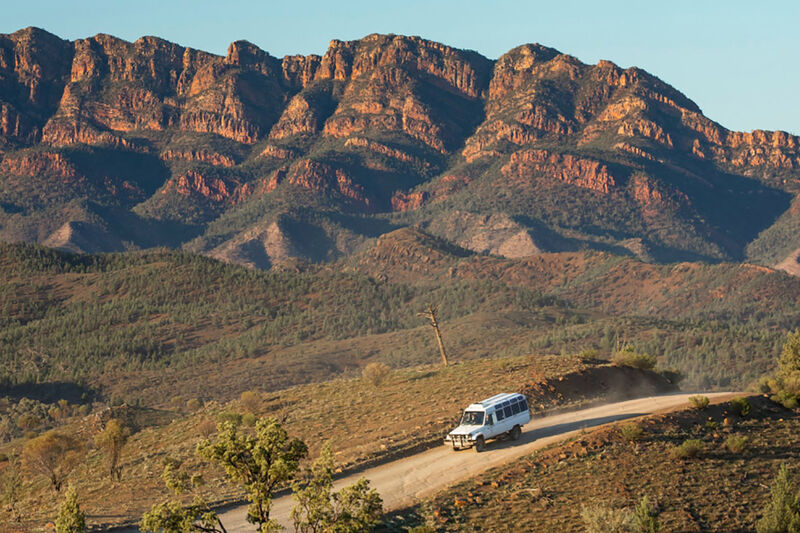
{"x":108,"y":145}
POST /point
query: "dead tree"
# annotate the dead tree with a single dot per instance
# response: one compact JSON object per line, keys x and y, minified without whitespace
{"x":430,"y":314}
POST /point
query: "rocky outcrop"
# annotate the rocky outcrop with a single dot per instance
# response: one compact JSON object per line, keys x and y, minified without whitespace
{"x":316,"y":176}
{"x":202,"y":156}
{"x":39,"y":163}
{"x":34,"y":67}
{"x":385,"y":122}
{"x":214,"y":189}
{"x":589,"y":174}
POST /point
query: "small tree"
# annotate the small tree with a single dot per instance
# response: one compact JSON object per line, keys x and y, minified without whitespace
{"x":782,"y":514}
{"x":12,"y":487}
{"x":355,"y":508}
{"x":260,"y":462}
{"x":789,"y":362}
{"x":111,"y":440}
{"x":70,"y":517}
{"x":172,"y":516}
{"x":53,"y":455}
{"x":314,"y":510}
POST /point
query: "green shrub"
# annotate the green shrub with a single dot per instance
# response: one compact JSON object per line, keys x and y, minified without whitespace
{"x":736,"y":443}
{"x":782,"y":513}
{"x":193,"y":404}
{"x":421,"y":529}
{"x":688,"y":449}
{"x":711,"y":425}
{"x":631,"y":432}
{"x":740,"y":406}
{"x":249,"y":419}
{"x":699,"y":402}
{"x":628,"y":357}
{"x":645,"y":517}
{"x":230,"y":416}
{"x":786,"y":399}
{"x":590,"y":354}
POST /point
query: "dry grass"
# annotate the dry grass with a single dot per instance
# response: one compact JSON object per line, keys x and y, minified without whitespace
{"x":366,"y":424}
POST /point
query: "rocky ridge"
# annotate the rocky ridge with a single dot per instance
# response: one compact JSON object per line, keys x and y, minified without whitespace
{"x":529,"y":150}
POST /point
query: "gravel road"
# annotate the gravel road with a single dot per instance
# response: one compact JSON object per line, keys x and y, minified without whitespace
{"x":404,"y":481}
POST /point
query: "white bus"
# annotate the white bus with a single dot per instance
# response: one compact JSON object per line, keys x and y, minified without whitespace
{"x":502,"y":414}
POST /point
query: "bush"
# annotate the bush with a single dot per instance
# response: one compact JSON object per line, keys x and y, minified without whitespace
{"x":628,"y":357}
{"x":786,"y":399}
{"x":249,"y":419}
{"x":71,"y":519}
{"x":590,"y":354}
{"x":251,"y":401}
{"x":740,"y":406}
{"x":605,"y":519}
{"x":688,"y":449}
{"x":782,"y":513}
{"x":421,"y":529}
{"x":193,"y":404}
{"x":230,"y":416}
{"x":28,"y":422}
{"x":376,"y":373}
{"x":736,"y":443}
{"x":699,"y":402}
{"x":645,"y":517}
{"x":206,"y":427}
{"x":631,"y":432}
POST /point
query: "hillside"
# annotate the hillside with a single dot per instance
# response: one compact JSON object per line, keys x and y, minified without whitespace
{"x":160,"y":326}
{"x":108,"y":145}
{"x":359,"y":418}
{"x":719,"y":490}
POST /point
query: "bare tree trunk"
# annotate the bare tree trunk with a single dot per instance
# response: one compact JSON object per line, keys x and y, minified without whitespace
{"x":430,"y":314}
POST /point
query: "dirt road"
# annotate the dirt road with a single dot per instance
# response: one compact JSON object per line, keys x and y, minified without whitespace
{"x":402,"y":482}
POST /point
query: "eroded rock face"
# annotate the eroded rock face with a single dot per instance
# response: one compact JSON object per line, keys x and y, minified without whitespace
{"x":316,"y":176}
{"x":37,"y":163}
{"x":580,"y":172}
{"x":384,"y":122}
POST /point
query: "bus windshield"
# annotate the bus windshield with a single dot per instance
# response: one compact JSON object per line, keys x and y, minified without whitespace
{"x":472,"y":418}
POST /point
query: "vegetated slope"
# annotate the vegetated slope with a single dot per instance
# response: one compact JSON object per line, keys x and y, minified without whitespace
{"x":109,"y":145}
{"x":411,"y":410}
{"x":669,"y":304}
{"x":147,"y":327}
{"x":539,"y":492}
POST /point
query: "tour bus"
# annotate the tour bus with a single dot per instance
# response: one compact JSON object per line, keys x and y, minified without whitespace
{"x":502,"y":414}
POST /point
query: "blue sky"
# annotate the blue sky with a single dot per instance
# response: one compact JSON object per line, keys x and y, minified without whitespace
{"x":736,"y":59}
